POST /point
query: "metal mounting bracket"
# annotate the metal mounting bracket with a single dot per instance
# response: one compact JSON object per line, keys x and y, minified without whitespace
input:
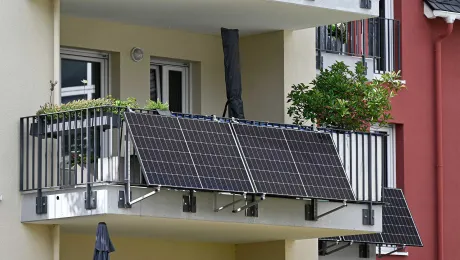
{"x":126,"y":202}
{"x":389,"y":253}
{"x":368,"y":216}
{"x":233,"y":203}
{"x":251,"y":208}
{"x":311,"y":210}
{"x":364,"y":251}
{"x":90,"y":199}
{"x":323,"y":247}
{"x":189,"y":203}
{"x":41,"y":204}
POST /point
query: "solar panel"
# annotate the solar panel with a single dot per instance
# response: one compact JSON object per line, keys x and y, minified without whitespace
{"x":216,"y":156}
{"x":319,"y":165}
{"x":187,"y":153}
{"x":398,"y":225}
{"x":162,"y":150}
{"x":375,"y":238}
{"x":269,"y":160}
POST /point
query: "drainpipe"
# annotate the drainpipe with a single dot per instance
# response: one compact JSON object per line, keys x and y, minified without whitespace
{"x":439,"y":136}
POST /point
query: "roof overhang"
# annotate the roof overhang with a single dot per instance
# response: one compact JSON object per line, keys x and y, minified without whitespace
{"x":450,"y":17}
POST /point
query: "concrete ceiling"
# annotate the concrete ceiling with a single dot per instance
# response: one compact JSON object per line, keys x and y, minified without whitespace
{"x":208,"y":16}
{"x":203,"y":231}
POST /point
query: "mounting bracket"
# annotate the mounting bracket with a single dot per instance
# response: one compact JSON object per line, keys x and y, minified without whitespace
{"x":90,"y":198}
{"x":364,"y":251}
{"x":41,"y":204}
{"x":126,"y":202}
{"x":389,"y":253}
{"x":252,"y":207}
{"x":217,"y":209}
{"x":189,"y":203}
{"x":323,"y":247}
{"x":311,"y":210}
{"x":368,"y":215}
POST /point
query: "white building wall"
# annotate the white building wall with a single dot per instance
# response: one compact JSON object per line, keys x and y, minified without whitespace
{"x":26,"y":68}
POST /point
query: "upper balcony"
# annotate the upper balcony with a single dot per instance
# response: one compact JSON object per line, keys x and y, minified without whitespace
{"x":208,"y":16}
{"x":376,"y":41}
{"x":87,"y":163}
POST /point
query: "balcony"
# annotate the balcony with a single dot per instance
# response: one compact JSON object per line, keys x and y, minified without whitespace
{"x":377,"y":41}
{"x":74,"y":165}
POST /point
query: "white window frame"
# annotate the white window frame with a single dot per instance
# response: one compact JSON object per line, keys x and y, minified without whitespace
{"x":92,"y":56}
{"x":166,"y":66}
{"x":391,"y":152}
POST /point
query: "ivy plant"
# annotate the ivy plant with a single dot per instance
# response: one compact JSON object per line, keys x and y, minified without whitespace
{"x":344,"y":98}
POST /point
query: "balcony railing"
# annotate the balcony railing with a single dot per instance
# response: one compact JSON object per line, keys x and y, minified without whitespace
{"x":82,"y":147}
{"x":378,"y":39}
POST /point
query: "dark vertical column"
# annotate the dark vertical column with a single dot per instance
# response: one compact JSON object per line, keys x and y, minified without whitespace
{"x":230,"y":43}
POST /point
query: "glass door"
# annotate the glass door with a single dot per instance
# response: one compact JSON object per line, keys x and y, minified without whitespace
{"x":170,"y":83}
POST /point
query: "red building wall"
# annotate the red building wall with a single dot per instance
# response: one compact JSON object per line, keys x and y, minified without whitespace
{"x":414,"y":110}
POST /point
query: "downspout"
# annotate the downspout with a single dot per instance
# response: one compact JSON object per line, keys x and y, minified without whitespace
{"x":439,"y":136}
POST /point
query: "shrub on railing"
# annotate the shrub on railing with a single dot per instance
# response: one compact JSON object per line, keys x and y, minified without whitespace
{"x":345,"y":99}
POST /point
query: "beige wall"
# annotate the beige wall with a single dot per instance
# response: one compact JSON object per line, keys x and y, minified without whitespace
{"x":77,"y":247}
{"x":26,"y":67}
{"x":262,"y":73}
{"x":279,"y":250}
{"x":205,"y":51}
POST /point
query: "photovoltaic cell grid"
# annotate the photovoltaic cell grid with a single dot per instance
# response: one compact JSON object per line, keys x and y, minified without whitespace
{"x":293,"y":163}
{"x":200,"y":154}
{"x":215,"y":154}
{"x":398,"y":224}
{"x":187,"y":153}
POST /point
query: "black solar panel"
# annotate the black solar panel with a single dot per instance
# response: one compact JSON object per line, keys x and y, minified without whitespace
{"x":162,"y":150}
{"x":319,"y":165}
{"x":269,"y":160}
{"x":187,"y":153}
{"x":293,"y":163}
{"x":216,"y":157}
{"x":375,"y":238}
{"x":209,"y":155}
{"x":398,"y":225}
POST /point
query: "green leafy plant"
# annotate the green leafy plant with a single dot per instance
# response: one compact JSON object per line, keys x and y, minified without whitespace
{"x":338,"y":31}
{"x":153,"y":105}
{"x":342,"y":98}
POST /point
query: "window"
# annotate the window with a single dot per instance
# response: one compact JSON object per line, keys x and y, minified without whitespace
{"x":78,"y":66}
{"x":170,"y":82}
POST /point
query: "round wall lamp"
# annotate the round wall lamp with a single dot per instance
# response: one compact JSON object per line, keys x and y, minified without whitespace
{"x":137,"y":54}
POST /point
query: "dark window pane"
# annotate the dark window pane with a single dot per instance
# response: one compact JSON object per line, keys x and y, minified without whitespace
{"x":153,"y":84}
{"x":175,"y":91}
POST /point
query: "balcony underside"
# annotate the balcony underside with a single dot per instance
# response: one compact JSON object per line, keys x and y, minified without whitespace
{"x":208,"y":16}
{"x":162,"y":216}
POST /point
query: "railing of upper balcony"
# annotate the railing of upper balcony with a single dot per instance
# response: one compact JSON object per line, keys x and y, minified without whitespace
{"x":376,"y":39}
{"x":82,"y":147}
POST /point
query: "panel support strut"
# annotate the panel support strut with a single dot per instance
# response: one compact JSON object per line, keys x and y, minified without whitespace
{"x":217,"y":209}
{"x":311,"y":210}
{"x":253,"y":203}
{"x":323,"y":250}
{"x":399,"y":248}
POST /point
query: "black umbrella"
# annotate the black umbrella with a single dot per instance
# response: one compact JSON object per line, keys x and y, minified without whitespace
{"x":103,"y":245}
{"x":230,"y":43}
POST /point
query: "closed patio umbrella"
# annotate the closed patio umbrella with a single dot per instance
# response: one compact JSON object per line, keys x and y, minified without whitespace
{"x":103,"y":245}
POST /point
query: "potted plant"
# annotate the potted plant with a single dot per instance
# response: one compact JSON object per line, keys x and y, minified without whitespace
{"x":345,"y":99}
{"x":157,"y":106}
{"x":79,"y":114}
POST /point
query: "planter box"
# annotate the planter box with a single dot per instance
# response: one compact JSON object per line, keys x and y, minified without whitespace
{"x":106,"y":121}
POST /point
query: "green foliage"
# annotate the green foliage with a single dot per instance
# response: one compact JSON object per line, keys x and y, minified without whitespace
{"x":153,"y":105}
{"x":342,"y":98}
{"x":338,"y":31}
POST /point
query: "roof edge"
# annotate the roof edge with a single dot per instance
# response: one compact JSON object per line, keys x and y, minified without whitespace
{"x":450,"y":17}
